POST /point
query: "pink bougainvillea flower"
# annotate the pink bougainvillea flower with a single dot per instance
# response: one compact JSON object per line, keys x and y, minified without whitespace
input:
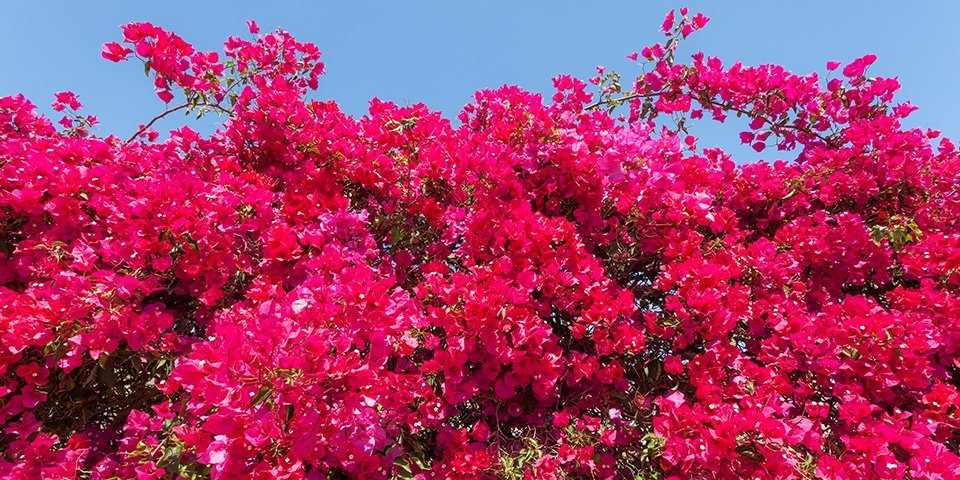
{"x":115,"y":52}
{"x":857,"y":67}
{"x":570,"y":285}
{"x":667,"y":25}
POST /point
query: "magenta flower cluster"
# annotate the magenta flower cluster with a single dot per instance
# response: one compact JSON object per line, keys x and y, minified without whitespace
{"x":567,"y":288}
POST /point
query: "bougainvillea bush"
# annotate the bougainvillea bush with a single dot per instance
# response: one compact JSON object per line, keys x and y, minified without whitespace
{"x":559,"y":288}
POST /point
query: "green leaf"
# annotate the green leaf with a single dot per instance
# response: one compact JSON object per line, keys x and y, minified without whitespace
{"x":171,"y":459}
{"x":396,"y":234}
{"x":404,"y":466}
{"x":261,"y":396}
{"x":190,"y":241}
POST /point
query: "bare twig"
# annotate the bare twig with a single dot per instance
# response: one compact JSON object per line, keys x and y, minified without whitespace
{"x":622,"y":99}
{"x":215,"y":106}
{"x":705,"y":102}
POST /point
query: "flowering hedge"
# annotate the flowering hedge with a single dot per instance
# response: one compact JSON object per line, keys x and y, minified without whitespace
{"x":552,"y":289}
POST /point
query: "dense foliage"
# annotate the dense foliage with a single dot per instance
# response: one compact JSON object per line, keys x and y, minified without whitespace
{"x":559,"y":290}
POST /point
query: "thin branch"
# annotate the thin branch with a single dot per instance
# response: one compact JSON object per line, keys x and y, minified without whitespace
{"x":773,"y":126}
{"x":215,"y":106}
{"x":622,"y":99}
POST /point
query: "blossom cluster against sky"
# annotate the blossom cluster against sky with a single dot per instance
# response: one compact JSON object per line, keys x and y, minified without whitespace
{"x":440,"y":52}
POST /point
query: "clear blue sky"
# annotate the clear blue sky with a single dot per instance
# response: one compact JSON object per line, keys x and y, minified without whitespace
{"x":440,"y":52}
